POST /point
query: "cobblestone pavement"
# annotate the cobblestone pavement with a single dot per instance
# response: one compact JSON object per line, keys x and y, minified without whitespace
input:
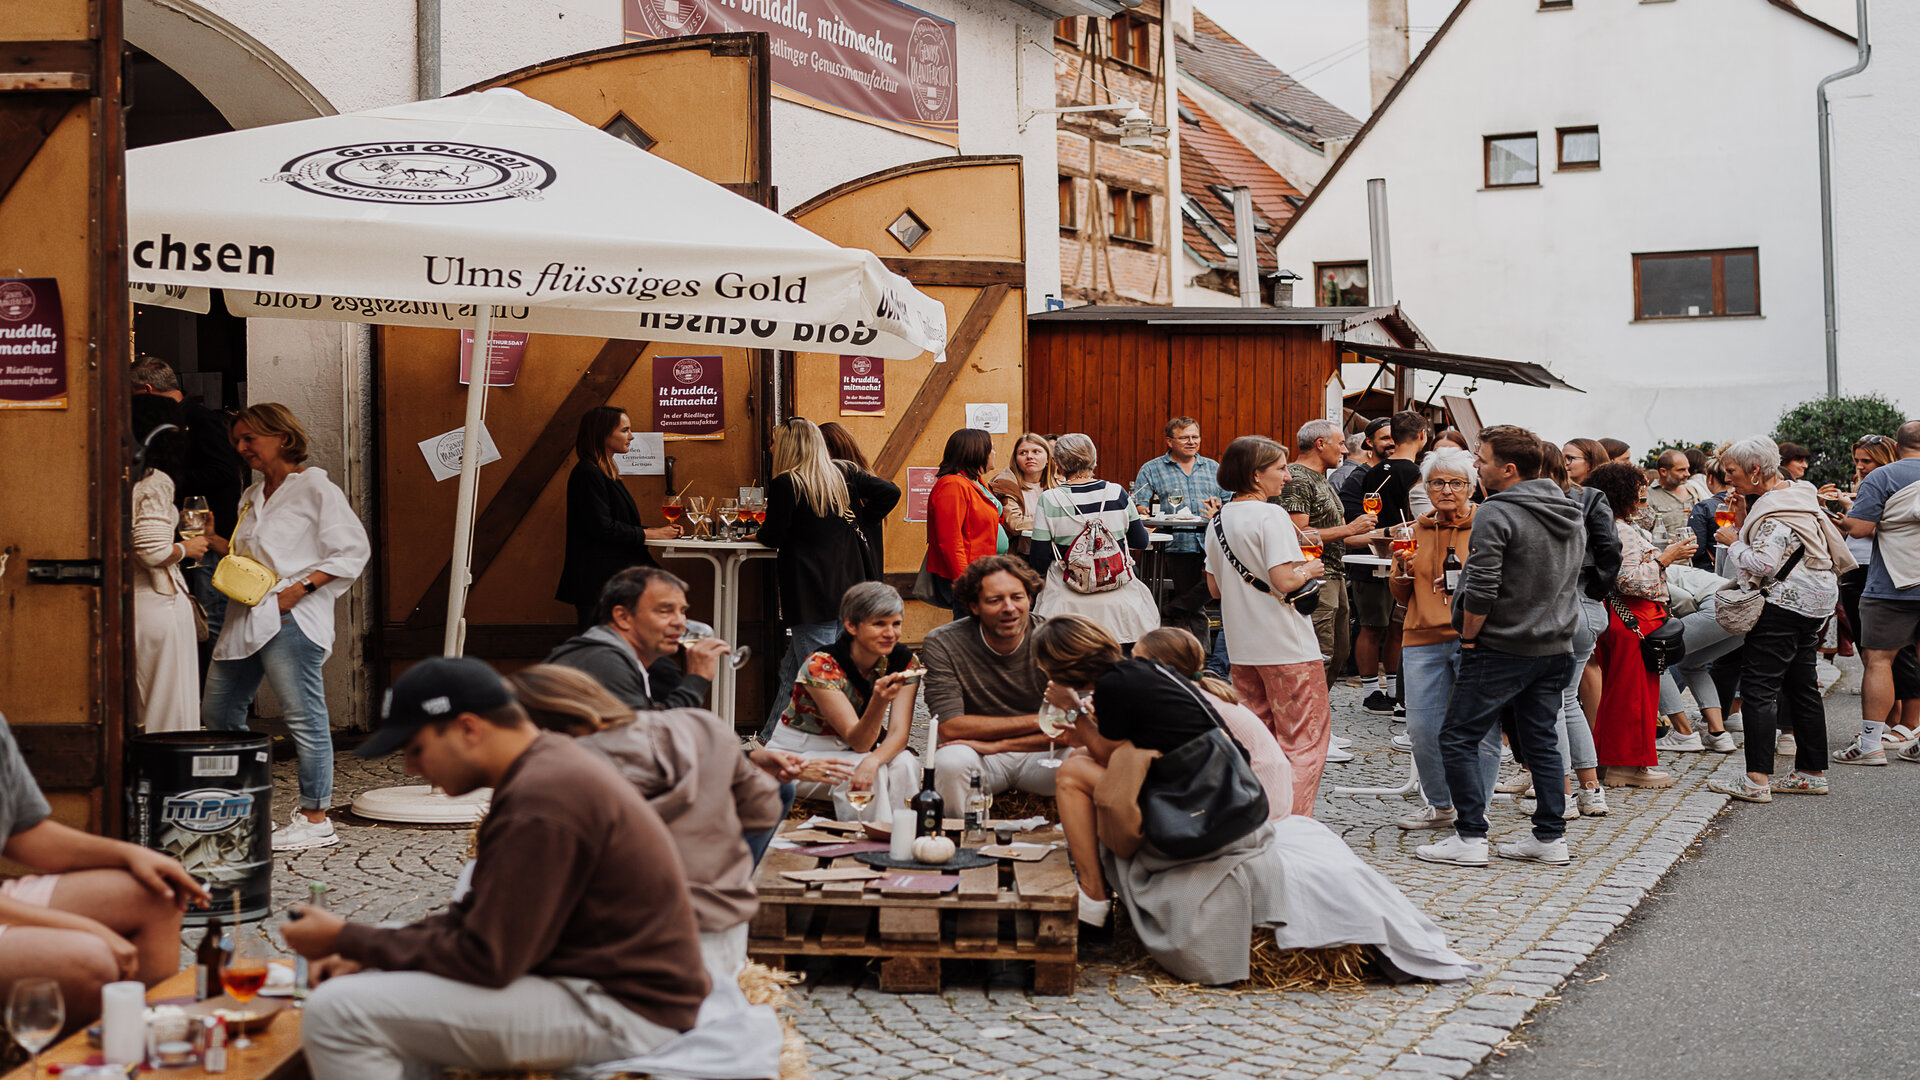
{"x":1531,"y":924}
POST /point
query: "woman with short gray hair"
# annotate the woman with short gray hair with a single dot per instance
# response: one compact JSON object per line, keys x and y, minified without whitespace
{"x":1780,"y":541}
{"x":853,"y":702}
{"x":1104,"y":590}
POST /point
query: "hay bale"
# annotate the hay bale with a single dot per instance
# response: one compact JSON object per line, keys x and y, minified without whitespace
{"x":1271,"y":969}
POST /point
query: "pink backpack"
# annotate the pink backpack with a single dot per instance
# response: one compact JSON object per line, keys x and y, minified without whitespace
{"x":1096,"y":562}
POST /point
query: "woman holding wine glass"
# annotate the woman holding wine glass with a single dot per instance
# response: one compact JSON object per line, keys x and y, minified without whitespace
{"x":852,"y":702}
{"x":604,"y":533}
{"x":818,"y":514}
{"x":166,"y":660}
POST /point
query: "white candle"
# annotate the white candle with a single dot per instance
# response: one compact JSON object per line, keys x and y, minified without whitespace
{"x":900,"y":844}
{"x":123,"y":1035}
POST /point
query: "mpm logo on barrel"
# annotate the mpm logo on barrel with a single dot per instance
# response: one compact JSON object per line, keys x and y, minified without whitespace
{"x":208,"y":810}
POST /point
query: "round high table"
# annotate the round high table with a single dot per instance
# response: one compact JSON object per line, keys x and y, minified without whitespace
{"x":727,"y":556}
{"x":1157,"y":548}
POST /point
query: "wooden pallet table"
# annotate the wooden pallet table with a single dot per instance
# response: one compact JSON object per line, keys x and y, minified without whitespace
{"x":1011,"y":911}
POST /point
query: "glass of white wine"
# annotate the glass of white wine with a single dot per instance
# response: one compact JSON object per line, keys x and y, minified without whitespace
{"x":699,"y":631}
{"x":35,"y":1014}
{"x":1174,"y":503}
{"x":860,"y":800}
{"x":194,"y":519}
{"x":728,"y":511}
{"x":1054,"y":722}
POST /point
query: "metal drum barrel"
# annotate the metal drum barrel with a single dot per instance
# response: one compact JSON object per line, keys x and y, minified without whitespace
{"x":206,"y":798}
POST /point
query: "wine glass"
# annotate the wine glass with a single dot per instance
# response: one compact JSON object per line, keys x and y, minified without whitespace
{"x":672,"y":509}
{"x":697,"y":513}
{"x":728,"y":511}
{"x":35,"y":1014}
{"x":1310,"y":544}
{"x":860,"y":800}
{"x":194,"y":519}
{"x":1054,"y":722}
{"x":243,"y":976}
{"x":1403,"y":538}
{"x":1370,"y":502}
{"x":699,"y":631}
{"x":1174,"y":503}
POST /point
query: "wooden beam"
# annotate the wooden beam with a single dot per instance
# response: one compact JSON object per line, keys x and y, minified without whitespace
{"x":966,"y":337}
{"x":25,"y":124}
{"x":978,"y":273}
{"x":531,"y":474}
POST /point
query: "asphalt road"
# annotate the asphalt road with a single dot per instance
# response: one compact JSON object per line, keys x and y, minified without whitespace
{"x":1776,"y":949}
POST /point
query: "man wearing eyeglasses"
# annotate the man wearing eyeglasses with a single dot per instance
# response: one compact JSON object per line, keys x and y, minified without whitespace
{"x":1183,"y":473}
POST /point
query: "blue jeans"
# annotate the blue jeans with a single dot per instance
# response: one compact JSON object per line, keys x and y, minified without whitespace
{"x":1572,"y":734}
{"x":291,"y":663}
{"x":808,"y":638}
{"x":1217,"y":661}
{"x":1487,"y":683}
{"x":1429,"y":672}
{"x":1706,"y":642}
{"x":757,"y":841}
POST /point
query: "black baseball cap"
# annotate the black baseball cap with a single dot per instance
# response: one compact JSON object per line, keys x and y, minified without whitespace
{"x":431,"y":691}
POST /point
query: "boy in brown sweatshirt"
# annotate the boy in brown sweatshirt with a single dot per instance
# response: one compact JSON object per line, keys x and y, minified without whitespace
{"x":577,"y":944}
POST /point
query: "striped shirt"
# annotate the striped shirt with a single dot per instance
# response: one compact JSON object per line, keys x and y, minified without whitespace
{"x":1064,"y":511}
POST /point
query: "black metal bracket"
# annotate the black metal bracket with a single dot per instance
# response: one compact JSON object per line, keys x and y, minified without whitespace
{"x":65,"y":572}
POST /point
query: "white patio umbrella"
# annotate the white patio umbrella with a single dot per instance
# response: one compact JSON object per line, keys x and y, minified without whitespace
{"x":500,"y":212}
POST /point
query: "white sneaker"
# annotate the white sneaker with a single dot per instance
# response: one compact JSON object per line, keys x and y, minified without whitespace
{"x":1593,"y":802}
{"x":1532,"y":849}
{"x":1340,"y":743}
{"x":1686,"y":744}
{"x":1506,"y":753}
{"x":1734,"y":723}
{"x":1093,"y":912}
{"x":1719,"y":742}
{"x":1454,"y":851}
{"x":302,"y":835}
{"x":1338,"y":757}
{"x":1519,"y":785}
{"x":1858,"y":754}
{"x":1784,"y":745}
{"x":1428,"y":817}
{"x":1401,"y":743}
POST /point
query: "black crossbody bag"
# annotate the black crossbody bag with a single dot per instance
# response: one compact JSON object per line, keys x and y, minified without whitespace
{"x":1305,"y":599}
{"x":1202,"y":795}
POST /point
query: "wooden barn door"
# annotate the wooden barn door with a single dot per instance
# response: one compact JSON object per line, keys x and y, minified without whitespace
{"x":66,"y":671}
{"x":701,"y":103}
{"x":955,"y":228}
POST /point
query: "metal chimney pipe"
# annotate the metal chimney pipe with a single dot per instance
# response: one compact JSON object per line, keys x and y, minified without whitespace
{"x":1243,"y":240}
{"x":1380,"y":264}
{"x":1825,"y":128}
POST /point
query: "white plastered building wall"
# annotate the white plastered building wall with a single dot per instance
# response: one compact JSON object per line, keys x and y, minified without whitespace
{"x":1876,"y":151}
{"x":1707,"y":142}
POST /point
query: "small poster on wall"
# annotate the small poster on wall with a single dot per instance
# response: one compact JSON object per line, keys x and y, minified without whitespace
{"x":689,"y":394}
{"x":919,"y":490}
{"x":863,"y":386}
{"x":990,"y":417}
{"x":505,"y":350}
{"x":444,"y":453}
{"x":647,"y":456}
{"x":33,"y":345}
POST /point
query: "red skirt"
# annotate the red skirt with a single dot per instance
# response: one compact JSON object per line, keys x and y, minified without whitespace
{"x":1623,"y":726}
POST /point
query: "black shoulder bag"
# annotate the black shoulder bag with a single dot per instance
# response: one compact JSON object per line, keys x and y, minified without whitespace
{"x":1659,"y":650}
{"x":1305,"y":599}
{"x":1201,"y":796}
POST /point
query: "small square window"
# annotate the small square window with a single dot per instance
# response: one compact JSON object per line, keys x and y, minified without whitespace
{"x":1132,"y":41}
{"x":909,"y":229}
{"x":622,"y":127}
{"x":1067,"y":30}
{"x":1579,"y":148}
{"x":1512,"y":160}
{"x":1340,"y":284}
{"x":1696,"y":284}
{"x":1132,"y":214}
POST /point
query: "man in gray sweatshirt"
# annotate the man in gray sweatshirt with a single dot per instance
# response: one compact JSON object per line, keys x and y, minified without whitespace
{"x":1516,"y":612}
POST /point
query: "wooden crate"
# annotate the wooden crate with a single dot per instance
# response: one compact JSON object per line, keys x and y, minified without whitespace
{"x":1011,"y":911}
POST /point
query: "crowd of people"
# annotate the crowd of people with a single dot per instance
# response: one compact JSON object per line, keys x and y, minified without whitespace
{"x":1504,"y":597}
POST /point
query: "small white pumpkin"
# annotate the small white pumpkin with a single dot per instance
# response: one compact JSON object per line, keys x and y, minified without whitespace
{"x":933,"y":849}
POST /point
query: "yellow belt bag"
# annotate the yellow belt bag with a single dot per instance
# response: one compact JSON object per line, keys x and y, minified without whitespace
{"x":240,"y":579}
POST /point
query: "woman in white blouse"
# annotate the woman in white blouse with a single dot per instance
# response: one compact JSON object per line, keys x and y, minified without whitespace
{"x":166,"y":664}
{"x":300,"y":525}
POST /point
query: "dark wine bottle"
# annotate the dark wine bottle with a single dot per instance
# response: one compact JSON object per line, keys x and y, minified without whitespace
{"x":208,"y":960}
{"x":1451,"y":570}
{"x":929,"y":809}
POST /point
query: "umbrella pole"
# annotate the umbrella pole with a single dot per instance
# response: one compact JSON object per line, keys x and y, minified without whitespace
{"x":478,"y":369}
